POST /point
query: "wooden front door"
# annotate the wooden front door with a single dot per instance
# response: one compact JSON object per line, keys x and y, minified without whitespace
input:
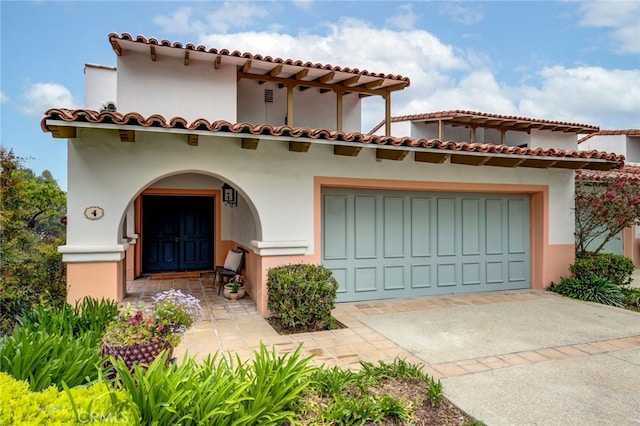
{"x":177,"y":233}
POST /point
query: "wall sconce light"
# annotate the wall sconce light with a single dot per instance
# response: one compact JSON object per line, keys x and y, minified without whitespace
{"x":229,"y":195}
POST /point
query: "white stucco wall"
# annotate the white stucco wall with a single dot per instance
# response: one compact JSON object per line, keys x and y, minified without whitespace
{"x":199,"y":91}
{"x":633,"y":150}
{"x":558,"y":140}
{"x":275,"y":182}
{"x":608,"y":143}
{"x":100,"y":86}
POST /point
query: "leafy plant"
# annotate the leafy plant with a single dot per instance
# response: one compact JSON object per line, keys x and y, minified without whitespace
{"x":332,"y":381}
{"x":631,"y":297}
{"x":92,"y":404}
{"x":301,"y":294}
{"x":592,"y":289}
{"x":216,"y":391}
{"x":88,"y":315}
{"x":44,"y":359}
{"x":614,"y":267}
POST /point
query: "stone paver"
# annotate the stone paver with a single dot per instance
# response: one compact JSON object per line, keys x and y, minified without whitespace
{"x":237,"y":328}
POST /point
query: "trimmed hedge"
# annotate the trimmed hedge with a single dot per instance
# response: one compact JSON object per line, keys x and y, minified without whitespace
{"x":301,"y":295}
{"x":613,"y":267}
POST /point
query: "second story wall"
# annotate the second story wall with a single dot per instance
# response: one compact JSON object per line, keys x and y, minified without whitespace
{"x":100,"y":87}
{"x":558,"y":140}
{"x":169,"y":88}
{"x":267,"y":103}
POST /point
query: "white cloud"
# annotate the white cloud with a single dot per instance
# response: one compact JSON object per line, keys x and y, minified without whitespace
{"x":621,"y":17}
{"x":38,"y":97}
{"x":592,"y":95}
{"x":231,"y":15}
{"x":445,"y":77}
{"x":3,"y":98}
{"x":405,"y":19}
{"x":178,"y":23}
{"x":466,"y":15}
{"x":303,"y":4}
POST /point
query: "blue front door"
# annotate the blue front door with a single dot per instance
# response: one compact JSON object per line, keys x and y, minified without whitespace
{"x":177,"y":233}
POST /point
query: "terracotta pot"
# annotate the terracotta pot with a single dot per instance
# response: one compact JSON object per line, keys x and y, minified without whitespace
{"x":233,"y":296}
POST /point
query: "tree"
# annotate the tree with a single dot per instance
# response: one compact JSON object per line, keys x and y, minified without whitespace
{"x":30,"y":232}
{"x":605,"y":204}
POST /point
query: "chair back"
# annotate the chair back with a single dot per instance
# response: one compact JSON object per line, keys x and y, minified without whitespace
{"x":235,"y":260}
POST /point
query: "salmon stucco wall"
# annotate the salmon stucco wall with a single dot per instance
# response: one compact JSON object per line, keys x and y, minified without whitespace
{"x":95,"y":279}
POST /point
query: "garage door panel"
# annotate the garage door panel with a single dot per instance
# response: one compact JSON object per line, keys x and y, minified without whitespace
{"x":365,"y":279}
{"x":471,"y":273}
{"x":340,"y":274}
{"x":495,"y":272}
{"x":386,"y":244}
{"x":394,"y":278}
{"x":447,"y":276}
{"x":394,"y":226}
{"x":421,"y":276}
{"x":446,"y":216}
{"x":471,"y":238}
{"x":517,"y":271}
{"x":335,"y":227}
{"x":365,"y":228}
{"x":516,"y":227}
{"x":494,"y":224}
{"x":420,"y":227}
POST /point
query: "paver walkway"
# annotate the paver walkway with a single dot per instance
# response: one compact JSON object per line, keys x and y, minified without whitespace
{"x":238,"y":328}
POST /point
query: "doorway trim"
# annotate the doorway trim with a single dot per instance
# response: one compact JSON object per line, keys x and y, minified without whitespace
{"x":215,"y":193}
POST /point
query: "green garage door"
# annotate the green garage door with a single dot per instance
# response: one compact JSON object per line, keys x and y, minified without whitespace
{"x":386,"y":244}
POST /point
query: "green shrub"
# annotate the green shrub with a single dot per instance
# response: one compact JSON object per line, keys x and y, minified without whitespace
{"x":94,"y":404}
{"x":613,"y":267}
{"x":32,"y":275}
{"x":44,"y":359}
{"x":301,"y":294}
{"x":592,"y":289}
{"x":217,"y":391}
{"x":631,"y":297}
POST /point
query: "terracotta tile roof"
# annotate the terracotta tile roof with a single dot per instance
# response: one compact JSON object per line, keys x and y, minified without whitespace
{"x":222,"y":126}
{"x":632,"y":173}
{"x":115,"y":38}
{"x":628,"y":132}
{"x":485,"y":119}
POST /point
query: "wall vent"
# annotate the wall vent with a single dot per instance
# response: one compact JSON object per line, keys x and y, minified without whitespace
{"x":268,"y":95}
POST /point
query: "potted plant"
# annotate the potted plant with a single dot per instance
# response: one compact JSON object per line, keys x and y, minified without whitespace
{"x":235,"y":285}
{"x":138,"y":335}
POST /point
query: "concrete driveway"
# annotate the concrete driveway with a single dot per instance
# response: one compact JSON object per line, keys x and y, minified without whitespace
{"x":545,"y":361}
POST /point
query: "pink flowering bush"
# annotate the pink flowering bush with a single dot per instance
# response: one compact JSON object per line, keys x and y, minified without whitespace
{"x":604,"y":206}
{"x":172,"y":313}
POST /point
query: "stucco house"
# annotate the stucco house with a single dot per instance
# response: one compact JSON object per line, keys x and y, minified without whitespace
{"x":440,"y":208}
{"x":625,"y":142}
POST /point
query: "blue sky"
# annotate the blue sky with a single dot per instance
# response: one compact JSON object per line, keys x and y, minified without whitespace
{"x":569,"y":61}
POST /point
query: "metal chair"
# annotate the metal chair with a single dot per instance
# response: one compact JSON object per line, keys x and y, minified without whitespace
{"x":233,"y":264}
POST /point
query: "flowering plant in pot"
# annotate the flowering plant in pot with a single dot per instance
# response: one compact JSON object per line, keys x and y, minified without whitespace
{"x":235,"y":285}
{"x":139,"y":334}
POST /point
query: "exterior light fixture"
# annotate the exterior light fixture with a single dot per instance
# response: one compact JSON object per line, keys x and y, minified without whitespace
{"x":229,"y":195}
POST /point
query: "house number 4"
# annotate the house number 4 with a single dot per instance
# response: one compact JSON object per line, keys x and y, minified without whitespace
{"x":94,"y":213}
